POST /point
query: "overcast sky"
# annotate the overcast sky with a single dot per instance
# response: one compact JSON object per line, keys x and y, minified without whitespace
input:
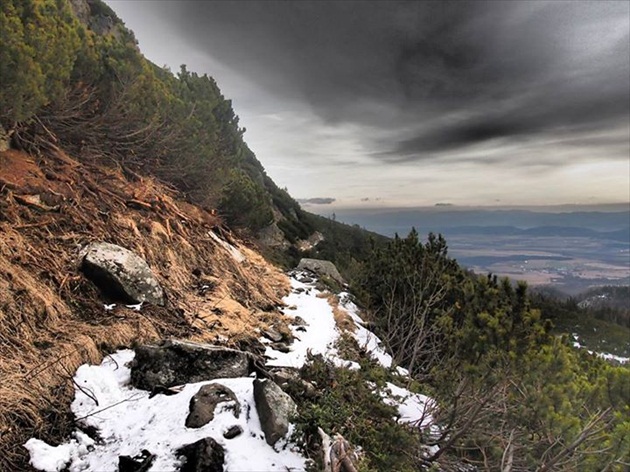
{"x":415,"y":103}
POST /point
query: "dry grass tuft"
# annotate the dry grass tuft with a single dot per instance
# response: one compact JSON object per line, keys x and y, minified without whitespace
{"x":343,"y":320}
{"x":52,"y":319}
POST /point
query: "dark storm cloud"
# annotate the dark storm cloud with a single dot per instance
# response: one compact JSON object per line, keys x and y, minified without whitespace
{"x":468,"y":133}
{"x":437,"y":76}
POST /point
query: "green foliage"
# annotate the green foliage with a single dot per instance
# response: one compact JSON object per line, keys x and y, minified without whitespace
{"x":104,"y":101}
{"x":602,"y":329}
{"x":245,"y":203}
{"x":40,"y":41}
{"x":346,"y":404}
{"x":481,"y":347}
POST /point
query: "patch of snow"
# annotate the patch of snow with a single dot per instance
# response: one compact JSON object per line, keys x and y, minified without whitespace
{"x":55,"y":459}
{"x":604,"y":355}
{"x":344,"y":364}
{"x":414,"y":408}
{"x":320,"y":332}
{"x":612,"y":357}
{"x":129,"y":421}
{"x":365,"y":337}
{"x":234,"y":252}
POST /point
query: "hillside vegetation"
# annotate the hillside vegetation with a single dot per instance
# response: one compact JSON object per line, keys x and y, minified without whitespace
{"x":104,"y":145}
{"x":511,"y":391}
{"x":73,"y":77}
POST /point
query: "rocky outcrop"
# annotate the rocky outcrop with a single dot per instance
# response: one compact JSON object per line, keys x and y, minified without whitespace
{"x":321,"y":267}
{"x":179,"y":362}
{"x":121,"y":274}
{"x":272,"y":236}
{"x":82,"y":10}
{"x":312,"y":241}
{"x":204,"y":402}
{"x":100,"y":19}
{"x":205,"y":455}
{"x":275,"y":409}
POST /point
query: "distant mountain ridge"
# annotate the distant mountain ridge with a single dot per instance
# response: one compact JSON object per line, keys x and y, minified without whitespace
{"x":390,"y":221}
{"x":622,"y":235}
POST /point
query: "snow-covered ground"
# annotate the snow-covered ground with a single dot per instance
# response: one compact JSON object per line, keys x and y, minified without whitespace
{"x":366,"y":338}
{"x":319,"y":333}
{"x":128,"y":421}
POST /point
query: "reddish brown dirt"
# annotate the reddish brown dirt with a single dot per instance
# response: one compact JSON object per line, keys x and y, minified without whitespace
{"x":52,"y":318}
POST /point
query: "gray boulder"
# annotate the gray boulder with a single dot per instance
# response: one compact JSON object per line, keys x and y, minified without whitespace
{"x":121,"y":273}
{"x":205,"y":455}
{"x":180,"y":362}
{"x":321,"y":267}
{"x":275,"y":408}
{"x":204,"y":402}
{"x":272,"y":236}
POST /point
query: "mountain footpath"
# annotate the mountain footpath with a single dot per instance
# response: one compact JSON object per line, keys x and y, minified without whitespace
{"x":245,"y":427}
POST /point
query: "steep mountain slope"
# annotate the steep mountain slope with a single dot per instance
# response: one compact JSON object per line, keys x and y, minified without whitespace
{"x":105,"y":146}
{"x":72,"y":76}
{"x":54,"y":319}
{"x":97,"y":143}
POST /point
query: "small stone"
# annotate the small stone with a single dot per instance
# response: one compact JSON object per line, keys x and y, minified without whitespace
{"x":140,"y":463}
{"x":281,"y":347}
{"x":205,"y":455}
{"x":299,"y":321}
{"x":272,"y":334}
{"x":233,"y":431}
{"x":283,"y":375}
{"x":205,"y":401}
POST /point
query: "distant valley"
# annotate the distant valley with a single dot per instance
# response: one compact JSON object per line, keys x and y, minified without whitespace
{"x":569,"y":250}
